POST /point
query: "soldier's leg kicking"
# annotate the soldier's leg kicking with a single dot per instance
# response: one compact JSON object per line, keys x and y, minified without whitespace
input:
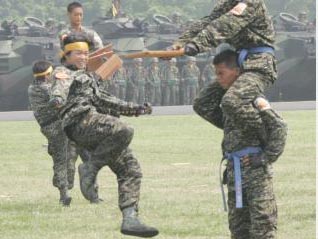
{"x":105,"y":137}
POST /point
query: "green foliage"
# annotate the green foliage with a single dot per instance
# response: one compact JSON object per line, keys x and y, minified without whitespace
{"x":15,"y":9}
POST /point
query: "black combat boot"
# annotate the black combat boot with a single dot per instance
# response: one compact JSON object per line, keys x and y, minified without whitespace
{"x":65,"y":199}
{"x":87,"y":174}
{"x":133,"y":227}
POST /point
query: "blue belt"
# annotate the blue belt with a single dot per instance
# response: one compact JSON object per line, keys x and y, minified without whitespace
{"x":244,"y":52}
{"x":236,"y":156}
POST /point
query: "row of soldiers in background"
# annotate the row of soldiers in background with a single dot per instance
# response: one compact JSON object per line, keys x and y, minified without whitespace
{"x":160,"y":83}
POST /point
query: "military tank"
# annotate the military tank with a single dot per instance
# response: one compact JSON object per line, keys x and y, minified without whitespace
{"x":19,"y":48}
{"x":296,"y":56}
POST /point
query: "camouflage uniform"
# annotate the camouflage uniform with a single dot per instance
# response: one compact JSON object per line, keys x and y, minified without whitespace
{"x":190,"y":75}
{"x":91,"y":34}
{"x":170,"y":83}
{"x":258,"y":217}
{"x":208,"y":75}
{"x":51,"y":127}
{"x":243,"y":24}
{"x":62,"y":79}
{"x":120,"y":79}
{"x":153,"y":86}
{"x":136,"y":83}
{"x":91,"y":118}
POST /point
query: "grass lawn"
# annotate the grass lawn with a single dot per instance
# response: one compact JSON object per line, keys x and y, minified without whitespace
{"x":180,"y":195}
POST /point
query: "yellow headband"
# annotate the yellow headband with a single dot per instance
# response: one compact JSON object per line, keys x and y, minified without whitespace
{"x":76,"y":46}
{"x":48,"y":71}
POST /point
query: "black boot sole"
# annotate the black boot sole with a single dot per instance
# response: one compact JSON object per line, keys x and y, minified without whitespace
{"x":66,"y":202}
{"x":140,"y":234}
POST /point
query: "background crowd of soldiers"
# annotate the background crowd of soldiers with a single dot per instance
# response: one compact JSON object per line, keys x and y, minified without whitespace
{"x":160,"y":82}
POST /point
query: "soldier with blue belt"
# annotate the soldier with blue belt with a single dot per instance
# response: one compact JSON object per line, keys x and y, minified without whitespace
{"x":251,"y":201}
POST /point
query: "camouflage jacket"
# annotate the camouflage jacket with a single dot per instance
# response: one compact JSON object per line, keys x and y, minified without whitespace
{"x":39,"y":97}
{"x":153,"y":76}
{"x":208,"y":75}
{"x":85,"y":95}
{"x":274,"y":129}
{"x":190,"y":74}
{"x":91,"y":34}
{"x":62,"y":78}
{"x":137,"y":76}
{"x":170,"y":75}
{"x":120,"y":77}
{"x":242,"y":24}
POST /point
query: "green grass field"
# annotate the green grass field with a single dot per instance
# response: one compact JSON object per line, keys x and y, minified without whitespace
{"x":180,"y":195}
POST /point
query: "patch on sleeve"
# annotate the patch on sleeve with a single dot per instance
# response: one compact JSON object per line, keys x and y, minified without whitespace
{"x":238,"y":9}
{"x":61,"y":75}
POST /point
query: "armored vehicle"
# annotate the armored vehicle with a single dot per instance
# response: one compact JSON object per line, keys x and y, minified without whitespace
{"x":296,"y":56}
{"x":19,"y":48}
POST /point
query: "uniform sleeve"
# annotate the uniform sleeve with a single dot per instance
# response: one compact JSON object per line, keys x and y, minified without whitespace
{"x":227,"y":26}
{"x":58,"y":90}
{"x":107,"y":103}
{"x":207,"y":104}
{"x":219,"y":9}
{"x":276,"y":131}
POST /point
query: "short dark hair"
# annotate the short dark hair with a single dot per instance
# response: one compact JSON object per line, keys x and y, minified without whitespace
{"x":75,"y":37}
{"x":227,"y":57}
{"x":40,"y":66}
{"x":73,"y":5}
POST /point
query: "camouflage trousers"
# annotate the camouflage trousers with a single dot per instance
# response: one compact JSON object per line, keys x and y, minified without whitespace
{"x":64,"y":154}
{"x":258,"y":217}
{"x":107,"y":139}
{"x":207,"y":102}
{"x":190,"y":93}
{"x":259,"y":72}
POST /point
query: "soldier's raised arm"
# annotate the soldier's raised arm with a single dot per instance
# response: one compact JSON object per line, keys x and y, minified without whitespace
{"x":196,"y":27}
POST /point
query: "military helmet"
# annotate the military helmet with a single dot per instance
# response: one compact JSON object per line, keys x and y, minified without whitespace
{"x":138,"y":60}
{"x":176,"y":14}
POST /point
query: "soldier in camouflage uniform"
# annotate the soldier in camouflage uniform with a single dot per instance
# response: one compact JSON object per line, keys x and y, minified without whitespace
{"x":75,"y":15}
{"x":137,"y":82}
{"x":90,"y":117}
{"x":153,"y":85}
{"x":190,"y":76}
{"x":74,"y":59}
{"x":170,"y":83}
{"x":246,"y":26}
{"x":208,"y":74}
{"x":51,"y":127}
{"x":253,"y":215}
{"x":120,"y":79}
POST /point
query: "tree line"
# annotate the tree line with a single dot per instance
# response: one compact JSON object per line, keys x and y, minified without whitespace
{"x":56,"y":9}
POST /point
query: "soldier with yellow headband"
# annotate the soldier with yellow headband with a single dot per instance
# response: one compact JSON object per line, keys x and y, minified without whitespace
{"x":74,"y":59}
{"x":51,"y":128}
{"x":90,"y":117}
